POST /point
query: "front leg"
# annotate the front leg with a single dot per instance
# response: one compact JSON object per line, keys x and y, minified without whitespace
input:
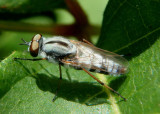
{"x":36,"y":59}
{"x":59,"y":83}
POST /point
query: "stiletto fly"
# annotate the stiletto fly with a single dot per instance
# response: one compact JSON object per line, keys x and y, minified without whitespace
{"x":77,"y":54}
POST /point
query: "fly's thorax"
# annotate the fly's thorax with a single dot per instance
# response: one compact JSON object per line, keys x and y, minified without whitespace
{"x":58,"y":47}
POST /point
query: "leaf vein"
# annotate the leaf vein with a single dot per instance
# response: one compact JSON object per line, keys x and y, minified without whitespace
{"x":140,"y":38}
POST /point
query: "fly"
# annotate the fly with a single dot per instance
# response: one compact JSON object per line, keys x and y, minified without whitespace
{"x":77,"y":54}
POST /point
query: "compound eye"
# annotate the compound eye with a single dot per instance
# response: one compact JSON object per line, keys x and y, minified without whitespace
{"x":34,"y":47}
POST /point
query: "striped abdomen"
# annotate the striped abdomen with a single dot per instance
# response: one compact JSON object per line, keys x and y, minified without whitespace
{"x":99,"y":63}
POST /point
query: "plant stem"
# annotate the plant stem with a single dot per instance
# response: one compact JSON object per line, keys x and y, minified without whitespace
{"x":64,"y":30}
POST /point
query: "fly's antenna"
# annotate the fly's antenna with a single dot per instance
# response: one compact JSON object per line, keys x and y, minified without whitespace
{"x":25,"y":43}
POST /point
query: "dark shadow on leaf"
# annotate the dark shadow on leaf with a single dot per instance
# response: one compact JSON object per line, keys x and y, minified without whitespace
{"x":116,"y":84}
{"x":81,"y":92}
{"x":71,"y":91}
{"x":68,"y":75}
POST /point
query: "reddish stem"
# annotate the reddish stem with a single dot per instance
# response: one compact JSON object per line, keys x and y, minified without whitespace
{"x":79,"y":28}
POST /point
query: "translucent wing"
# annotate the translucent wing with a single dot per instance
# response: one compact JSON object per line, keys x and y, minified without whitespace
{"x":91,"y":57}
{"x":113,"y":56}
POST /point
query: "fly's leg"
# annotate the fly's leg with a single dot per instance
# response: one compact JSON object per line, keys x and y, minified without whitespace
{"x":84,"y":40}
{"x":60,"y":79}
{"x":103,"y":84}
{"x":37,"y":59}
{"x":59,"y":83}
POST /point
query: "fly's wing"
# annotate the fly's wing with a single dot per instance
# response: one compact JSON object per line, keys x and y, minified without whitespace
{"x":107,"y":54}
{"x":113,"y":56}
{"x":94,"y":50}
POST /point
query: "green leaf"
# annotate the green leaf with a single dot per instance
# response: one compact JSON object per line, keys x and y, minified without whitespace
{"x":29,"y":87}
{"x":132,"y":27}
{"x":29,"y":6}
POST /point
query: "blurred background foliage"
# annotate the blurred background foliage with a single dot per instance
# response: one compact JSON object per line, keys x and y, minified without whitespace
{"x":129,"y":28}
{"x":25,"y":18}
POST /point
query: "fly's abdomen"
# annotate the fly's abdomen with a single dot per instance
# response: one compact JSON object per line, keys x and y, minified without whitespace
{"x":106,"y":66}
{"x":113,"y":67}
{"x":98,"y":60}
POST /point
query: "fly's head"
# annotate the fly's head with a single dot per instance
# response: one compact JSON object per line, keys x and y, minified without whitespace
{"x":34,"y":45}
{"x":51,"y":48}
